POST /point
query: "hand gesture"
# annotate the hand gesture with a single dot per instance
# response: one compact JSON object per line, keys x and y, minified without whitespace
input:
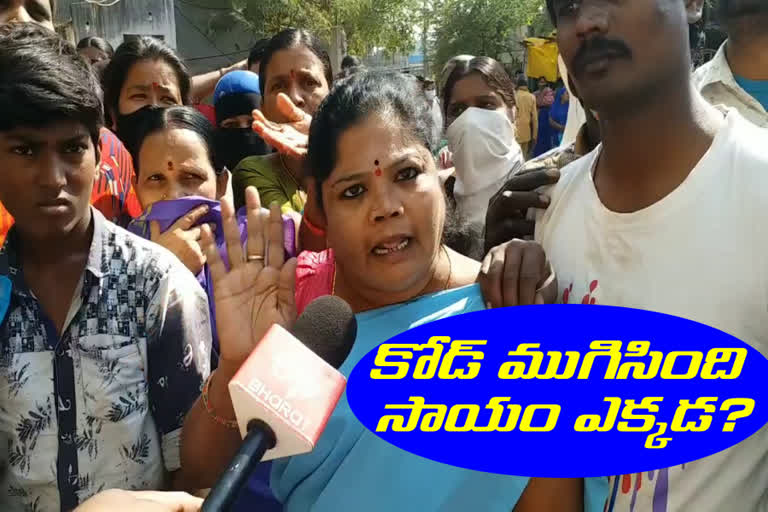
{"x":150,"y":501}
{"x":508,"y":208}
{"x":517,"y":274}
{"x":258,"y":289}
{"x":290,"y":138}
{"x":446,"y":159}
{"x":182,"y":239}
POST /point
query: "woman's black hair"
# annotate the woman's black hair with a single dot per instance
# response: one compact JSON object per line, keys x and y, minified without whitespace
{"x":291,"y":38}
{"x":131,"y":52}
{"x":492,"y":72}
{"x":98,"y":43}
{"x":183,"y":118}
{"x":43,"y":79}
{"x":350,"y":61}
{"x":348,"y":72}
{"x":355,"y":99}
{"x":257,"y":52}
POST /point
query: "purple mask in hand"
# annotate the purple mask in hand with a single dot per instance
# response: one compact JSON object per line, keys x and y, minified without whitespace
{"x":166,"y":213}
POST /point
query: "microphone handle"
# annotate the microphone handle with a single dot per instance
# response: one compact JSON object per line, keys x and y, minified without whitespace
{"x":259,"y":439}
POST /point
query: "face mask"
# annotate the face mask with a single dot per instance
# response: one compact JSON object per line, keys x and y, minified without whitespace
{"x":232,"y":145}
{"x":431,"y":95}
{"x":484,"y":150}
{"x":131,"y":127}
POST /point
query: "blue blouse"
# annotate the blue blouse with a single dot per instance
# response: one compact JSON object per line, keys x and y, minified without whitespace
{"x":352,"y":469}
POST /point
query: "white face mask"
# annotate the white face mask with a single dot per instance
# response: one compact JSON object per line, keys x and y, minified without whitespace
{"x":484,"y":150}
{"x":431,"y":95}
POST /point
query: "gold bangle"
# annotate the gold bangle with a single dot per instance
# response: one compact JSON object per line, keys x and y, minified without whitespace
{"x":231,"y":424}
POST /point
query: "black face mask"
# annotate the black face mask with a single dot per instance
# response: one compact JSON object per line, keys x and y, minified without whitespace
{"x":130,"y":127}
{"x":234,"y":144}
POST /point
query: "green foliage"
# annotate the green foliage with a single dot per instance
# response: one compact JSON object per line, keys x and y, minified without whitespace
{"x":368,"y":24}
{"x":480,"y":27}
{"x":387,"y":24}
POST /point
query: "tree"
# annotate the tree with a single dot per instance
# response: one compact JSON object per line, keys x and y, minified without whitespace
{"x":479,"y":27}
{"x":367,"y":24}
{"x":387,"y":24}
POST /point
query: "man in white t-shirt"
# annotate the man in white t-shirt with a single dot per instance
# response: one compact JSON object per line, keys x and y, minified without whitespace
{"x":668,"y":214}
{"x":738,"y":74}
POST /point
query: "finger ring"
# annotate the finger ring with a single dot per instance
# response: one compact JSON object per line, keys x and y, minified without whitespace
{"x":255,"y":258}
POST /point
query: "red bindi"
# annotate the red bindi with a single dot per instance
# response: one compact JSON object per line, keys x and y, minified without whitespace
{"x":377,"y":172}
{"x":155,"y":85}
{"x":170,"y":166}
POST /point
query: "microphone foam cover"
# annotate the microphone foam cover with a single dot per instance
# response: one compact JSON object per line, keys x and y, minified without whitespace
{"x":329,"y":328}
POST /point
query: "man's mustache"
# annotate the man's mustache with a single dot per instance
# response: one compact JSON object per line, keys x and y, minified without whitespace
{"x":598,"y":48}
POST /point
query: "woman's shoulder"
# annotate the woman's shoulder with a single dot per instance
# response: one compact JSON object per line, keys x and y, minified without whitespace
{"x":314,"y":277}
{"x":464,"y":270}
{"x":313,"y":261}
{"x":264,"y":165}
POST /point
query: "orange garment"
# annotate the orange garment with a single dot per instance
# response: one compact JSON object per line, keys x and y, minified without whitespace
{"x":527,"y":116}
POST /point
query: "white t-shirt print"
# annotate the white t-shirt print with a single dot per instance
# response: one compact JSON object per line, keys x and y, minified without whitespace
{"x":700,"y":253}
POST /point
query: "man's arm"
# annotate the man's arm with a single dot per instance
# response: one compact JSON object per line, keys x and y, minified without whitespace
{"x":178,"y":359}
{"x":203,"y":85}
{"x":534,"y":121}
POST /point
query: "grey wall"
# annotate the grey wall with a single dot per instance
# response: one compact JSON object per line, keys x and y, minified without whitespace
{"x":113,"y":23}
{"x":202,"y":49}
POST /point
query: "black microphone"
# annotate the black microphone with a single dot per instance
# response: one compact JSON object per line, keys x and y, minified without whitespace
{"x":285,"y":392}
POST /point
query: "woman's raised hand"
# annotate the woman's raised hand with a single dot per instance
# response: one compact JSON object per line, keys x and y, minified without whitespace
{"x":290,"y":138}
{"x":258,"y":289}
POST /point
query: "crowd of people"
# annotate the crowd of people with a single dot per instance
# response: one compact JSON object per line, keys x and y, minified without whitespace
{"x":149,"y":242}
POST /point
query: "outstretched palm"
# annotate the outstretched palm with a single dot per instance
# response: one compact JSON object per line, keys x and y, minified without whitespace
{"x":290,"y":138}
{"x":258,"y":289}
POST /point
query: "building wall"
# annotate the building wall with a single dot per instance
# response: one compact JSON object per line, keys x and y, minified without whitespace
{"x":78,"y":19}
{"x":204,"y":50}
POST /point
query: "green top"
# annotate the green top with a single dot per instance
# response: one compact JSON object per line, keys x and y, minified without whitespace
{"x":274,"y":184}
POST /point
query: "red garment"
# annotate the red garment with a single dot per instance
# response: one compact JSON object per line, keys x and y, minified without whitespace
{"x":208,"y":111}
{"x":6,"y":221}
{"x":314,"y":277}
{"x":113,"y":193}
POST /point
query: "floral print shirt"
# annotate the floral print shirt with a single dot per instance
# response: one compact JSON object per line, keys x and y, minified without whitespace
{"x":100,"y":406}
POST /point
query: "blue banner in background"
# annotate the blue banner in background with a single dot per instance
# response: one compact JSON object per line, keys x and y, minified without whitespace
{"x":561,"y":391}
{"x":5,"y":296}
